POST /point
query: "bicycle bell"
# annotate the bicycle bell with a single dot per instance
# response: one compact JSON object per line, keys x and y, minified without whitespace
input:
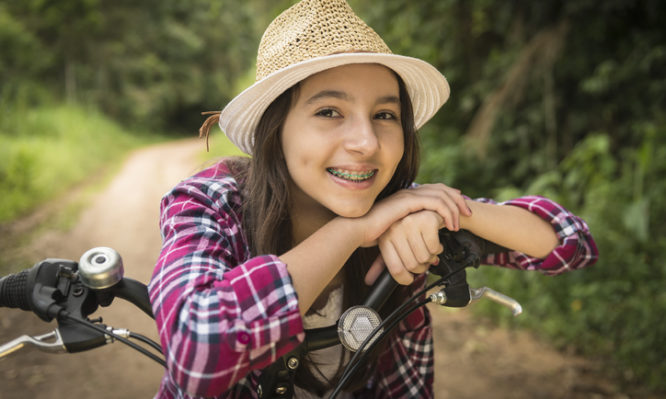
{"x":100,"y":268}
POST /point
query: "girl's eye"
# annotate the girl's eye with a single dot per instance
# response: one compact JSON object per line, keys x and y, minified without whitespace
{"x":328,"y":113}
{"x":386,"y":115}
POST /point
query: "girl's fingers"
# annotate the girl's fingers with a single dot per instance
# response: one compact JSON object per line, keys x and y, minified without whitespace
{"x":394,"y":263}
{"x":447,"y":202}
{"x":464,"y":208}
{"x":458,"y":201}
{"x":448,"y":218}
{"x":422,"y":254}
{"x":375,"y":270}
{"x":433,"y":244}
{"x":406,"y":254}
{"x":455,"y":212}
{"x":405,"y":250}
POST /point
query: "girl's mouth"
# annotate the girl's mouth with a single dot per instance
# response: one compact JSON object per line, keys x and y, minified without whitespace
{"x":350,"y":175}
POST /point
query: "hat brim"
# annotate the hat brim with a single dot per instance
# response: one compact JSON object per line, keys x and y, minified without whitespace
{"x":427,"y":88}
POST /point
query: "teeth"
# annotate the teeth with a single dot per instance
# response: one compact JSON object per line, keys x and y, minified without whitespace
{"x":351,"y":175}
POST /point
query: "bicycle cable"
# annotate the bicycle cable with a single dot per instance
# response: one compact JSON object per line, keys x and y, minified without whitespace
{"x":146,"y":341}
{"x":127,"y":342}
{"x":360,"y":355}
{"x":379,"y":336}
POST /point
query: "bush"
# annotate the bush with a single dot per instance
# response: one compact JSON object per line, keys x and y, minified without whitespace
{"x":614,"y":308}
{"x":44,"y":151}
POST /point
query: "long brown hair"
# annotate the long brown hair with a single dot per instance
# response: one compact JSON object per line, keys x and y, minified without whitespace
{"x":266,"y":219}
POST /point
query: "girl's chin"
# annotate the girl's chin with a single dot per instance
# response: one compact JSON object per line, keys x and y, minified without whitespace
{"x":354,"y":212}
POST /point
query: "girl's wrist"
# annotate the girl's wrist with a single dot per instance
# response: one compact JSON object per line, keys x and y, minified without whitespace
{"x":350,"y":228}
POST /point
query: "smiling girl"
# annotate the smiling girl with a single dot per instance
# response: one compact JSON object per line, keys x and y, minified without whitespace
{"x":257,"y":249}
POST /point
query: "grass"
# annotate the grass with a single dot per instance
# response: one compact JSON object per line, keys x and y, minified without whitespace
{"x":52,"y":160}
{"x":46,"y":151}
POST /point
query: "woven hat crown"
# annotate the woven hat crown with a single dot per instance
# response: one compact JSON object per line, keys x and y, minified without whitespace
{"x":311,"y":29}
{"x":313,"y":36}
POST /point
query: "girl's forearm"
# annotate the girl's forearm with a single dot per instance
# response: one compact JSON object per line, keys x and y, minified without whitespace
{"x":315,"y":261}
{"x":511,"y":227}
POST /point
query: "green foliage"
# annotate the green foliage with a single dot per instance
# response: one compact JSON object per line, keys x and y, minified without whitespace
{"x":55,"y":148}
{"x":575,"y":97}
{"x":563,"y":99}
{"x":616,"y":306}
{"x":149,"y":63}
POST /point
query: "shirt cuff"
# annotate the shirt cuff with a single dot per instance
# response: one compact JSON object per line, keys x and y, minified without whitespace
{"x":268,"y":304}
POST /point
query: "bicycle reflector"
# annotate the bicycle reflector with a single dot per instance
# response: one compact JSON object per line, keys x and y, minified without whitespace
{"x":356,"y":324}
{"x":100,"y":268}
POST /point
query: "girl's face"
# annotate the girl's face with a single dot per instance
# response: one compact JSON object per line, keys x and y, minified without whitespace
{"x":342,"y":139}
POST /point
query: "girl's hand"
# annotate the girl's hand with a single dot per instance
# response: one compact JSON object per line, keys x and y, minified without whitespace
{"x":408,"y":247}
{"x":445,"y":201}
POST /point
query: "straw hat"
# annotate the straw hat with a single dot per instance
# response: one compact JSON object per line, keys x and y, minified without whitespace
{"x":312,"y":36}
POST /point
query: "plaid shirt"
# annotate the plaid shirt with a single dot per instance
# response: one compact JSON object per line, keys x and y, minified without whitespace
{"x":223,"y":315}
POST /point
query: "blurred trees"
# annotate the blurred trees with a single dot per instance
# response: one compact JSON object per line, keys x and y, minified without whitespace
{"x":156,"y":63}
{"x":533,"y":77}
{"x":565,"y":99}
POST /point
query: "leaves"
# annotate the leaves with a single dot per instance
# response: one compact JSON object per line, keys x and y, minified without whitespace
{"x":582,"y":119}
{"x":152,"y":63}
{"x":586,"y":128}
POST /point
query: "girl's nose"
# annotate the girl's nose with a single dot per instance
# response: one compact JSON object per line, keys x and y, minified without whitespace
{"x":361,"y":137}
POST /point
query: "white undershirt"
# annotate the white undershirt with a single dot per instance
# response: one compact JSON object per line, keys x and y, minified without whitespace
{"x":327,"y":359}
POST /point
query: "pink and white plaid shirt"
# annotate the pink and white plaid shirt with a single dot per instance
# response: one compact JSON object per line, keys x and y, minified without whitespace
{"x":223,"y":315}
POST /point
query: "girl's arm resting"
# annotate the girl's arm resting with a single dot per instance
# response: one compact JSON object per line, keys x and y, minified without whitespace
{"x":315,"y":261}
{"x":511,"y":227}
{"x":544,"y":235}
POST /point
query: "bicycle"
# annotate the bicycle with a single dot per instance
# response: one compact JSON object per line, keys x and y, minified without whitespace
{"x":70,"y":291}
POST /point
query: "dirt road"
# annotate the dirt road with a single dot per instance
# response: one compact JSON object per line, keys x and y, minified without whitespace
{"x":473,"y":359}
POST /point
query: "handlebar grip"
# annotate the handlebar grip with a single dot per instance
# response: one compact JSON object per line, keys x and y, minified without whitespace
{"x":478,"y":245}
{"x":14,"y":291}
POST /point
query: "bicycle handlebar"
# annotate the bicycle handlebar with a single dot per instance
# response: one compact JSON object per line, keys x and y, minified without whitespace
{"x":70,"y":292}
{"x":57,"y":288}
{"x":462,"y":249}
{"x":13,"y":289}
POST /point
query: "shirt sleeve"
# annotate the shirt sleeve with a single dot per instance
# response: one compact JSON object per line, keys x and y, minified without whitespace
{"x":576,"y":248}
{"x":219,"y":313}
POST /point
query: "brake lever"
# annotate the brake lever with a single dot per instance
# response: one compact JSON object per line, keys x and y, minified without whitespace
{"x":498,"y":297}
{"x":40,"y":341}
{"x":440,"y":298}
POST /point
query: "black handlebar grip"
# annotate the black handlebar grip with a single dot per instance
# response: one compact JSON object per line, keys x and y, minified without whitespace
{"x":14,"y":291}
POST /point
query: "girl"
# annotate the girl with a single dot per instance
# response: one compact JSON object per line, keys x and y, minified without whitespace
{"x":255,"y":250}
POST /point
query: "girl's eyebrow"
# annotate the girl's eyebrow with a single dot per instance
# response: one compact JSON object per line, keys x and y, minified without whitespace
{"x":328,"y":93}
{"x":388,"y":100}
{"x":346,"y":97}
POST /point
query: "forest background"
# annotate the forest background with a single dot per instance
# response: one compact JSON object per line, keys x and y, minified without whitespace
{"x":565,"y":99}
